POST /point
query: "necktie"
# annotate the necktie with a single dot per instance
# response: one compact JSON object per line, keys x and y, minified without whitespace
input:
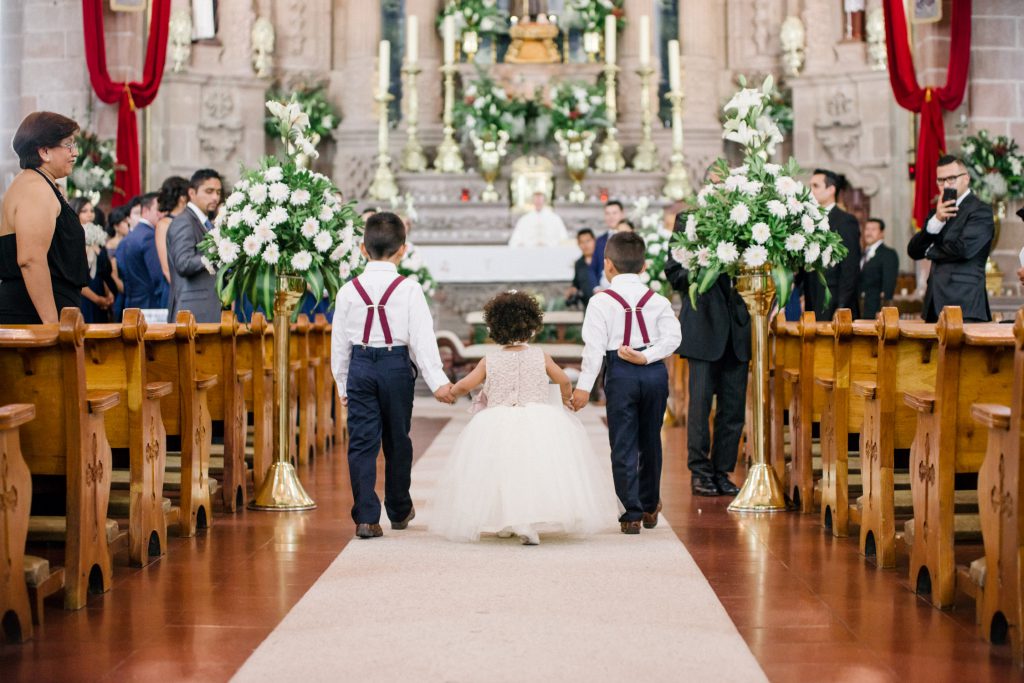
{"x":208,"y":225}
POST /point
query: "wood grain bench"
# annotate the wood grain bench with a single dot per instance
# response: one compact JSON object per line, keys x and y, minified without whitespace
{"x":320,"y":347}
{"x":15,"y":507}
{"x":785,"y":355}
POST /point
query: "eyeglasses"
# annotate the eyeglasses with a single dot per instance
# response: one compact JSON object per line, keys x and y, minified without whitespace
{"x":70,"y":146}
{"x":948,"y":180}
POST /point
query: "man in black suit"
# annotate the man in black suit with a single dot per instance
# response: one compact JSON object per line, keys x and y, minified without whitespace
{"x":583,"y":281}
{"x":841,"y":278}
{"x":716,"y":341}
{"x":879,"y":267}
{"x":956,"y":239}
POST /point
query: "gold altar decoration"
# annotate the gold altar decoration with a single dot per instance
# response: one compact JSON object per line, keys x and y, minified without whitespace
{"x":531,"y":174}
{"x":761,"y":491}
{"x":576,"y":148}
{"x":592,"y":45}
{"x":281,"y":489}
{"x":470,"y":45}
{"x":533,"y":43}
{"x":383,"y":186}
{"x":609,"y":158}
{"x":449,"y":160}
{"x":993,"y":275}
{"x":646,"y":158}
{"x":489,"y":152}
{"x":677,"y":184}
{"x":413,"y":158}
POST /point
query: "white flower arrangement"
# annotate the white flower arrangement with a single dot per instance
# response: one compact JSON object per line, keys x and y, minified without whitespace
{"x":283,"y":219}
{"x":649,"y":222}
{"x":757,"y":214}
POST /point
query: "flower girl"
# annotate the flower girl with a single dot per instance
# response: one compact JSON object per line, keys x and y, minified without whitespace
{"x":523,"y":465}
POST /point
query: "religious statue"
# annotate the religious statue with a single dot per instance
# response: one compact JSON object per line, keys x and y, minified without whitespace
{"x":533,"y":36}
{"x":540,"y":227}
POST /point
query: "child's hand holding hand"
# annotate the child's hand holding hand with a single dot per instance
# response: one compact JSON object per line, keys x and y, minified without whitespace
{"x":445,"y":395}
{"x":580,"y":399}
{"x":631,"y":355}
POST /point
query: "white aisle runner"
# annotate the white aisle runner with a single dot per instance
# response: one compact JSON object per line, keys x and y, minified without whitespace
{"x":415,"y":607}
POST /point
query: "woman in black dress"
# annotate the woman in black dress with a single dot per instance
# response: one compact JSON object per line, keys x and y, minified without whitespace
{"x":42,"y":245}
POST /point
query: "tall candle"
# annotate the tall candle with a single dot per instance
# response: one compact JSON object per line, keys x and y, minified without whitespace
{"x":449,"y":39}
{"x":384,"y":67}
{"x":645,"y":40}
{"x":609,"y":39}
{"x":673,"y":65}
{"x":412,"y":40}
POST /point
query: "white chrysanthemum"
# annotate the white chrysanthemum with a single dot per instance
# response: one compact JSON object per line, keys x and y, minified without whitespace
{"x":787,"y":186}
{"x":703,"y":257}
{"x":300,"y":197}
{"x":807,"y":223}
{"x":234,"y":219}
{"x":752,"y":188}
{"x":824,"y":225}
{"x":227,"y":251}
{"x":264,"y":232}
{"x":740,"y":214}
{"x":742,"y":169}
{"x":702,"y":196}
{"x":234,"y":199}
{"x":274,"y":174}
{"x":796,"y":242}
{"x":812,"y":252}
{"x":279,"y":193}
{"x":322,"y":241}
{"x":755,"y":256}
{"x":302,"y":260}
{"x":258,"y":193}
{"x":251,"y":245}
{"x":310,"y":227}
{"x":727,"y":252}
{"x":681,"y":255}
{"x":811,"y":207}
{"x":326,"y":213}
{"x":271,"y":254}
{"x":250,"y":216}
{"x":344,"y":269}
{"x":242,"y":186}
{"x":355,"y":258}
{"x":277,"y":215}
{"x":777,"y":208}
{"x":338,"y":253}
{"x":794,"y":206}
{"x":773,"y":169}
{"x":761,"y":232}
{"x":215,"y":234}
{"x":735,"y":182}
{"x":826,"y":257}
{"x":691,"y":227}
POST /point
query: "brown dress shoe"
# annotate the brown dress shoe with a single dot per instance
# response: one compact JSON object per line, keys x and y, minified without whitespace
{"x":369,"y":530}
{"x":630,"y":527}
{"x":651,"y":518}
{"x":398,"y":526}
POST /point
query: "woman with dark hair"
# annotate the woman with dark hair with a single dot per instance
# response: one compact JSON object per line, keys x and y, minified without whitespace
{"x":42,"y":245}
{"x":117,"y":229}
{"x":96,"y":297}
{"x":84,"y":208}
{"x":172,"y":200}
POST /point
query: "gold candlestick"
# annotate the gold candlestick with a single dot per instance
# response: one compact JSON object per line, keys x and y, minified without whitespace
{"x":413,"y":158}
{"x":646,"y":158}
{"x":609,"y":157}
{"x":677,"y":184}
{"x":383,"y":186}
{"x":448,"y":158}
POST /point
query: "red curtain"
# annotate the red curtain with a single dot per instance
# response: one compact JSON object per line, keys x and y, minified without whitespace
{"x":129,"y":96}
{"x":929,"y":102}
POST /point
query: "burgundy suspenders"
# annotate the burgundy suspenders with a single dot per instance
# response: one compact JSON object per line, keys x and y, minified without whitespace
{"x":371,"y":307}
{"x":629,"y":315}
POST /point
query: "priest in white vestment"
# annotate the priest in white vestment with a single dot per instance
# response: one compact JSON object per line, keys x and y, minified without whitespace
{"x":541,"y":227}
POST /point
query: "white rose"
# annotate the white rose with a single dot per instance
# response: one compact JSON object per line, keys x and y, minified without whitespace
{"x":302,"y":260}
{"x":271,"y":254}
{"x":300,"y":198}
{"x":726,"y":252}
{"x":251,"y":245}
{"x":274,"y":174}
{"x":812,"y":252}
{"x":777,"y":208}
{"x":740,"y":214}
{"x":761,"y":232}
{"x":310,"y":227}
{"x":258,"y":193}
{"x":795,"y":242}
{"x":755,"y":256}
{"x":322,"y":241}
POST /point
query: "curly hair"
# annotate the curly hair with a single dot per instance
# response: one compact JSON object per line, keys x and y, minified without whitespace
{"x":513,"y":317}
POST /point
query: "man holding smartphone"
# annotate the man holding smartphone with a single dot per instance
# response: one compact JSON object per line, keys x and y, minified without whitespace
{"x":956,"y":239}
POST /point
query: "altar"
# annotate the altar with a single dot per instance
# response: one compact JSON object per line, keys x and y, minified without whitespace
{"x":489,"y":264}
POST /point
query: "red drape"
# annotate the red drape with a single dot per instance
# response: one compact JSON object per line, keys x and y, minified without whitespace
{"x":929,"y":102}
{"x":130,"y":96}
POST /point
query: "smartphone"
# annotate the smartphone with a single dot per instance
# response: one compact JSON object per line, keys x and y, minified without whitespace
{"x":949,"y":195}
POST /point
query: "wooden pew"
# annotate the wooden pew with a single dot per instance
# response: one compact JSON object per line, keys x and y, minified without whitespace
{"x":308,"y":366}
{"x":785,"y":356}
{"x":1000,"y":594}
{"x":329,"y":409}
{"x":853,"y":359}
{"x":805,"y":405}
{"x":259,"y":392}
{"x":974,"y":364}
{"x":15,"y":504}
{"x":116,"y":362}
{"x":216,"y":355}
{"x":905,"y":361}
{"x":45,"y":365}
{"x":171,"y":352}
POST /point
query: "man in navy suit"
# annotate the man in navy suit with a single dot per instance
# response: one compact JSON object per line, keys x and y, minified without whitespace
{"x":137,"y":261}
{"x":614,"y":213}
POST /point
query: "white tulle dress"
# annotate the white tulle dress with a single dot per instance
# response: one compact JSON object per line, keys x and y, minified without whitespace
{"x":522,"y":462}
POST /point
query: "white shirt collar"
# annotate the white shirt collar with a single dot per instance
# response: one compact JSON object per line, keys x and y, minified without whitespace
{"x":199,"y":213}
{"x":381,"y":266}
{"x":625,"y":278}
{"x":870,"y":250}
{"x":827,"y":209}
{"x":962,"y":197}
{"x":143,"y":221}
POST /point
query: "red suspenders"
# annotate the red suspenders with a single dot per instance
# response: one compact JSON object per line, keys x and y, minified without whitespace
{"x":629,"y":315}
{"x":370,"y":307}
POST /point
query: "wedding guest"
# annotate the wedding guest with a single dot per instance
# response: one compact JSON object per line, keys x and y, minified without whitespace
{"x":117,"y":230}
{"x":98,"y":295}
{"x":138,"y":262}
{"x":173,"y":200}
{"x":879,"y":267}
{"x":193,"y":286}
{"x":636,"y":379}
{"x":613,"y":215}
{"x":84,"y":209}
{"x":134,"y":212}
{"x":382,"y":326}
{"x":625,"y":225}
{"x":841,"y":279}
{"x":42,"y":245}
{"x":582,"y":282}
{"x":956,"y":239}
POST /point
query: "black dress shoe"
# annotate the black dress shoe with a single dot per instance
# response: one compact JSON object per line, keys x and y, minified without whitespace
{"x":725,"y":487}
{"x":630,"y":528}
{"x":703,"y":486}
{"x":369,"y":530}
{"x":405,"y":522}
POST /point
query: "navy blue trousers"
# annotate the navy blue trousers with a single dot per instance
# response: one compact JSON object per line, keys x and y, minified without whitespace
{"x":380,"y":393}
{"x":636,"y":399}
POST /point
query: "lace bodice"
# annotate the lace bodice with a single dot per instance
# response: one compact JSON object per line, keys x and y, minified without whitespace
{"x":515,"y":378}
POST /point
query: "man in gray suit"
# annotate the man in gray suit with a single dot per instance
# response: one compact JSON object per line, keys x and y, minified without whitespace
{"x":193,"y":287}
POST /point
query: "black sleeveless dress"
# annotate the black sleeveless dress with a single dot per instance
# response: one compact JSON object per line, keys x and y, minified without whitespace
{"x":69,"y":269}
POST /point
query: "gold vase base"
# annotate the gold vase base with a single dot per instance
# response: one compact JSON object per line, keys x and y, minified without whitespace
{"x":761,"y":492}
{"x":282,"y":491}
{"x":993,"y":278}
{"x":489,"y":194}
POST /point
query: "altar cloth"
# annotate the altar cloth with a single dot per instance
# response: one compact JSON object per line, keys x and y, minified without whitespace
{"x":494,"y":263}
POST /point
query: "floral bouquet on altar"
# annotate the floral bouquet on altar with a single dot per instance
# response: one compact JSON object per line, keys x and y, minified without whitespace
{"x":590,"y":14}
{"x":756,"y":215}
{"x":478,"y":16}
{"x":577,"y":107}
{"x":650,"y":224}
{"x":93,"y":175}
{"x":996,"y":166}
{"x":283,"y":219}
{"x":487,"y":110}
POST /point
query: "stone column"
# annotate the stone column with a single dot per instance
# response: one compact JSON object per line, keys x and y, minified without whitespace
{"x":702,"y":38}
{"x":11,"y":46}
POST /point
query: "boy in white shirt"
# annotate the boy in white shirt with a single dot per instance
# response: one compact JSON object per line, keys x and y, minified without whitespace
{"x":382,"y":325}
{"x":633,"y":330}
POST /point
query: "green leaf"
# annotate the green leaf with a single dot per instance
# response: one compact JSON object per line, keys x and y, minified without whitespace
{"x":783,"y":284}
{"x":708,"y":278}
{"x":226,"y":285}
{"x":693,"y":294}
{"x":828,"y":291}
{"x":315,"y":279}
